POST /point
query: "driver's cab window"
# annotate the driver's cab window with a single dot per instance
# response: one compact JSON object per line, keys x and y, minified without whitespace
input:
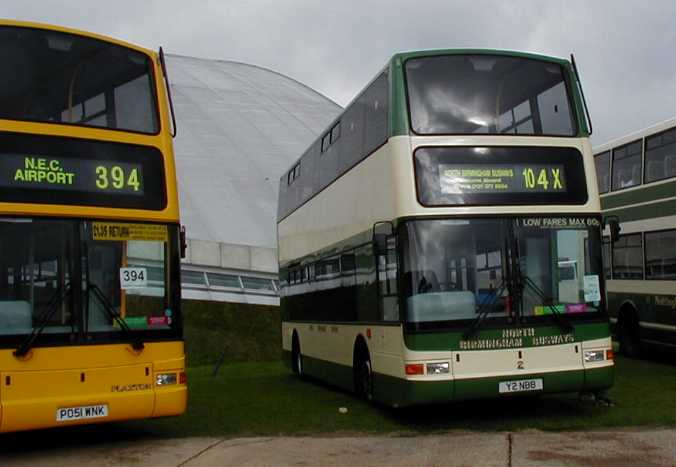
{"x":36,"y":267}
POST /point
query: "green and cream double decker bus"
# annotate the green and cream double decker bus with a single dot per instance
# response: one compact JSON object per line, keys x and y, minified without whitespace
{"x":441,"y":240}
{"x":637,"y":182}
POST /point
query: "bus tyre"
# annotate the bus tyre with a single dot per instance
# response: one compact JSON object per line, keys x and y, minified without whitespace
{"x":364,"y":379}
{"x":296,"y":358}
{"x":627,"y":335}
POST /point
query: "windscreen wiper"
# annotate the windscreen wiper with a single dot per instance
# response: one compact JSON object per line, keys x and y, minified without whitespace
{"x":136,"y":342}
{"x":489,"y":301}
{"x":484,"y":308}
{"x":556,"y":314}
{"x":53,"y":305}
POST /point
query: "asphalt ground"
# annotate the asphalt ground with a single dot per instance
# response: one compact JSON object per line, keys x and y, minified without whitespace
{"x":111,"y":446}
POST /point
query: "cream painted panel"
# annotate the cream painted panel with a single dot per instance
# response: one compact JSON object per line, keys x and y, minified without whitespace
{"x":477,"y":364}
{"x":604,"y":343}
{"x":351,"y":205}
{"x":387,"y":354}
{"x":336,"y":343}
{"x":287,"y":332}
{"x":382,"y":187}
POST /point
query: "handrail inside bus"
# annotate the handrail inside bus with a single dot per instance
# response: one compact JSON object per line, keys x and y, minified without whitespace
{"x":171,"y":102}
{"x":584,"y":100}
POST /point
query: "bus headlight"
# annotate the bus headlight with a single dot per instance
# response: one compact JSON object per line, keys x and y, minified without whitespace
{"x":165,"y":379}
{"x":594,"y":356}
{"x":438,"y":368}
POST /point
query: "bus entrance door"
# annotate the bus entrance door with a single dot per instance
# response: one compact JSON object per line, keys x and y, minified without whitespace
{"x":386,"y":269}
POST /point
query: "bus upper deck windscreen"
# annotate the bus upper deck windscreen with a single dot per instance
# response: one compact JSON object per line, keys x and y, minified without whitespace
{"x":50,"y":76}
{"x":488,"y":94}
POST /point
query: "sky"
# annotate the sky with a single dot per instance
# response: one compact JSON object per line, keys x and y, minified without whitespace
{"x":625,"y":49}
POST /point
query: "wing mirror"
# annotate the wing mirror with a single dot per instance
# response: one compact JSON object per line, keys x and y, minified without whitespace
{"x":380,"y":244}
{"x":613,"y":223}
{"x":379,"y":238}
{"x":183,"y":242}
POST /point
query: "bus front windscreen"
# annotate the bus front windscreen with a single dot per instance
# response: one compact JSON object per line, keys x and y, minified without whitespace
{"x":488,"y":94}
{"x":86,"y":280}
{"x":50,"y":76}
{"x":523,"y":269}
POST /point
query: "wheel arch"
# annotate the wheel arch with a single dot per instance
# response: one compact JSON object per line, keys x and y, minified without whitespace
{"x":628,"y":309}
{"x":360,"y":349}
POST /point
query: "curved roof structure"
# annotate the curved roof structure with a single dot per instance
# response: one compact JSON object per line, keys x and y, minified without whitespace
{"x":239,"y":128}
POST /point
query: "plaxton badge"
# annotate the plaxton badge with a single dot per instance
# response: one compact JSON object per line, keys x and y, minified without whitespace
{"x":130,"y":387}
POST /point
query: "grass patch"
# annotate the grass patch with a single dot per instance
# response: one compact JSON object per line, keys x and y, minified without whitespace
{"x":263,"y":398}
{"x":238,"y":331}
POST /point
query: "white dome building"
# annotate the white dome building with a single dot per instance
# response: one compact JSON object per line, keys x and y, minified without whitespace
{"x":239,"y":128}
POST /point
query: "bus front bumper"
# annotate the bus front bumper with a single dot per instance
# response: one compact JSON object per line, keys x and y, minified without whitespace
{"x":399,"y":392}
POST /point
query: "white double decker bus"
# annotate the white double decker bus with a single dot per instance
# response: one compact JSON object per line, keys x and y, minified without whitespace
{"x":442,"y":239}
{"x":637,"y":182}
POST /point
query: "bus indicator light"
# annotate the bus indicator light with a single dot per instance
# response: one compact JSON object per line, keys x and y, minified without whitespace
{"x":368,"y":333}
{"x":182,"y":378}
{"x":414,"y":369}
{"x":610,"y":354}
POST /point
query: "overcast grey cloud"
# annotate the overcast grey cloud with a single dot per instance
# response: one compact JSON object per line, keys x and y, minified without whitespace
{"x":624,"y":49}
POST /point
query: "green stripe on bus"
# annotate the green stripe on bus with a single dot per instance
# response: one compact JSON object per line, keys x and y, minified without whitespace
{"x":498,"y":339}
{"x":648,"y":211}
{"x":643,"y":195}
{"x":399,"y":105}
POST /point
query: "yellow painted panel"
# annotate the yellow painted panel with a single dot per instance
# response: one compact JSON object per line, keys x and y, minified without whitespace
{"x":32,"y":390}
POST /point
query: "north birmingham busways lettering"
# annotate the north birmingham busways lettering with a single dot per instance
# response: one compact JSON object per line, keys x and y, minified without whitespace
{"x":41,"y":170}
{"x":512,"y":338}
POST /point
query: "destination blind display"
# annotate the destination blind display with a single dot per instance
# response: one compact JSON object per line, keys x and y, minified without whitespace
{"x":41,"y":169}
{"x":499,"y":175}
{"x":501,"y":178}
{"x":62,"y":173}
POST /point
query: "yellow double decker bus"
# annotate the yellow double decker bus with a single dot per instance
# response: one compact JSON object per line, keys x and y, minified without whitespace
{"x":90,"y":241}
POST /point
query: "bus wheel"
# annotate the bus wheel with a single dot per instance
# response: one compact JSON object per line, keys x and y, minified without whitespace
{"x":364,"y":379}
{"x":627,"y":335}
{"x":296,"y":357}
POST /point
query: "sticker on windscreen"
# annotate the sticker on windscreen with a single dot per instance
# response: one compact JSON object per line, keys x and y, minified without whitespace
{"x":592,"y":289}
{"x":133,"y":278}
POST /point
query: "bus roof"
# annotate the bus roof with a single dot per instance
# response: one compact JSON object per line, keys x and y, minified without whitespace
{"x":635,"y":135}
{"x":78,"y":32}
{"x":478,"y":51}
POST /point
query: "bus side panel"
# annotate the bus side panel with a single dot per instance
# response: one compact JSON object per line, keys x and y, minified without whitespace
{"x":653,"y":302}
{"x":328,"y":351}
